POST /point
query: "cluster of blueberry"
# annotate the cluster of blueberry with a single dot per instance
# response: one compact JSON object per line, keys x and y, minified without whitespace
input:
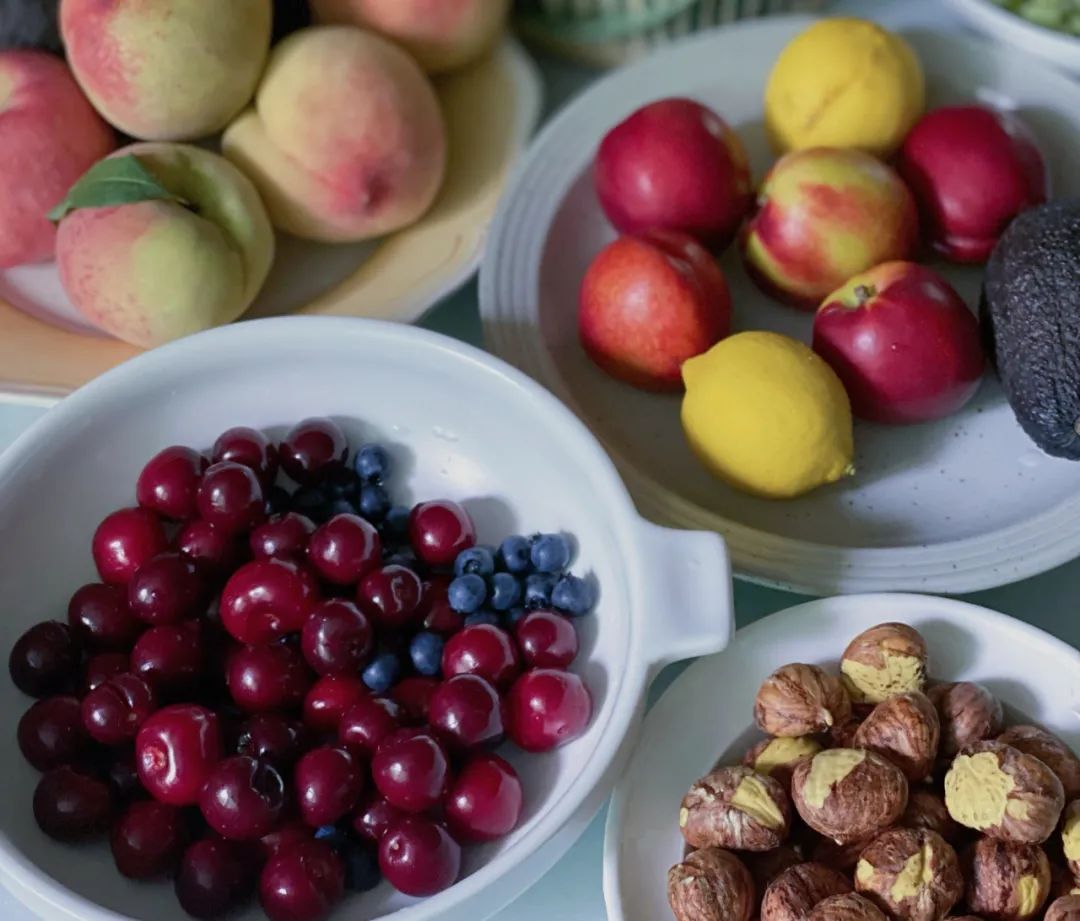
{"x":297,"y":693}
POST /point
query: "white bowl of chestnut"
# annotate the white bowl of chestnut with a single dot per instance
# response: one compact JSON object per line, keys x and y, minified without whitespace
{"x":862,"y":758}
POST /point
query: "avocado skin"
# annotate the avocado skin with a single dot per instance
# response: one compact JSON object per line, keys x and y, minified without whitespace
{"x":1030,"y":311}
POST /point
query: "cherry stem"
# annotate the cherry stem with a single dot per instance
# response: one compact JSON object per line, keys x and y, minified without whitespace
{"x":863,"y":293}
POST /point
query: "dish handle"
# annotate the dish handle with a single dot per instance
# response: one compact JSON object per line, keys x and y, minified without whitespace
{"x":689,"y":610}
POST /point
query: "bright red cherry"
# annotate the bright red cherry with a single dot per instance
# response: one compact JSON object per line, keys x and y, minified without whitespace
{"x":345,"y":549}
{"x":231,"y":498}
{"x":99,"y":616}
{"x":484,"y":801}
{"x":374,"y":817}
{"x":466,"y":712}
{"x":114,"y":711}
{"x":69,"y":806}
{"x":304,"y":883}
{"x":483,"y":650}
{"x":329,"y":698}
{"x":242,"y":798}
{"x":124,"y":541}
{"x":175,"y":750}
{"x":215,"y":876}
{"x":413,"y":695}
{"x":337,"y":638}
{"x":45,"y":659}
{"x":171,"y":659}
{"x":547,"y":708}
{"x":166,"y":589}
{"x":546,"y":640}
{"x":411,"y":770}
{"x":169,"y":482}
{"x":51,"y":733}
{"x":312,"y":449}
{"x":438,"y":616}
{"x":213,"y":550}
{"x":329,"y":783}
{"x":250,"y":448}
{"x":266,"y":678}
{"x":265,"y":599}
{"x":271,"y":737}
{"x":102,"y":667}
{"x":367,"y":722}
{"x":282,"y":537}
{"x":439,"y":531}
{"x":148,"y":840}
{"x":418,"y":857}
{"x":390,"y":595}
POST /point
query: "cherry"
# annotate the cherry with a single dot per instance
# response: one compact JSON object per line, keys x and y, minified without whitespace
{"x":169,"y":482}
{"x":175,"y":750}
{"x":170,"y":658}
{"x":214,"y":877}
{"x":337,"y":638}
{"x":102,"y":667}
{"x":438,"y":616}
{"x":148,"y":840}
{"x":484,"y":801}
{"x":345,"y":549}
{"x":547,"y":708}
{"x":114,"y":711}
{"x":44,"y":660}
{"x":272,"y":738}
{"x":367,"y":722}
{"x":231,"y":498}
{"x":313,"y":449}
{"x":418,"y":857}
{"x":99,"y":617}
{"x":466,"y":712}
{"x":265,"y":678}
{"x":411,"y":770}
{"x":328,"y":700}
{"x":390,"y":595}
{"x":249,"y":448}
{"x":547,"y":640}
{"x":374,"y":817}
{"x":69,"y":806}
{"x":51,"y":733}
{"x":213,"y":550}
{"x":266,"y":599}
{"x":282,"y":537}
{"x":123,"y":778}
{"x":124,"y":541}
{"x":242,"y":798}
{"x":166,"y":589}
{"x":303,"y":883}
{"x":329,"y":783}
{"x":483,"y":650}
{"x":413,"y":695}
{"x":284,"y":838}
{"x":439,"y":531}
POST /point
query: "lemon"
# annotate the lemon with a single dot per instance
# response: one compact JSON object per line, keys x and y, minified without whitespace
{"x":767,"y":415}
{"x":844,"y":83}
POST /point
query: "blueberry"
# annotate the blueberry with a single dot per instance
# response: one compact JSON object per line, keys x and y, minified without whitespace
{"x":573,"y":595}
{"x":466,"y":593}
{"x":505,"y":591}
{"x":310,"y":501}
{"x":479,"y":560}
{"x":510,"y":618}
{"x":483,"y":616}
{"x":338,"y":506}
{"x":514,"y":554}
{"x":538,"y":589}
{"x":396,"y":522}
{"x":550,"y":553}
{"x":341,"y":483}
{"x":374,"y":503}
{"x":382,"y":672}
{"x":278,"y":500}
{"x":425,"y":650}
{"x":404,"y":557}
{"x":361,"y":867}
{"x":332,"y":835}
{"x":372,"y":463}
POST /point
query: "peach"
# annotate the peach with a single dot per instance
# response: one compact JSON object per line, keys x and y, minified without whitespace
{"x":152,"y":271}
{"x":167,"y":70}
{"x":442,"y":35}
{"x":346,"y":140}
{"x":49,"y":136}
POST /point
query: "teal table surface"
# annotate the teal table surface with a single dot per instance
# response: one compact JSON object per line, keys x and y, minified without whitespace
{"x":571,"y":891}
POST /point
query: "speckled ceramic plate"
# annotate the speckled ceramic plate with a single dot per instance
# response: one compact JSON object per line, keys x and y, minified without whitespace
{"x":491,"y":109}
{"x":959,"y":505}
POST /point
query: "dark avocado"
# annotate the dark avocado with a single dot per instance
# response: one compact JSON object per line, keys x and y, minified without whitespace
{"x":1031,"y":319}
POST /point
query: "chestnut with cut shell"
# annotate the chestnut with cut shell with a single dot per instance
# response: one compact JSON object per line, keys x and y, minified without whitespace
{"x":736,"y":808}
{"x":1067,"y":908}
{"x":1070,"y":837}
{"x":906,"y":730}
{"x":1005,"y":881}
{"x":883,"y":661}
{"x":765,"y":866}
{"x":910,"y":874}
{"x":926,"y":809}
{"x":793,"y":893}
{"x":711,"y":885}
{"x":1050,"y":750}
{"x":968,"y":713}
{"x":850,"y":907}
{"x":800,"y":700}
{"x":778,"y":757}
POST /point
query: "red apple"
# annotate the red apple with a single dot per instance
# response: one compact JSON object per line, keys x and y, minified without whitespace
{"x":972,"y":170}
{"x":903,"y":342}
{"x":649,"y":303}
{"x":675,"y":165}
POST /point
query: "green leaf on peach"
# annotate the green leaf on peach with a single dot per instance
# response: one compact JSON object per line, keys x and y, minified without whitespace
{"x":110,"y":182}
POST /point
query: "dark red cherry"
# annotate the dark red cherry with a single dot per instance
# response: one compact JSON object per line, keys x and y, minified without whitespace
{"x":304,"y":883}
{"x":484,"y":801}
{"x":148,"y":840}
{"x":124,"y":541}
{"x":175,"y":751}
{"x":265,"y":599}
{"x":546,"y":640}
{"x":249,"y":448}
{"x":367,"y":722}
{"x":123,"y":778}
{"x":171,"y":659}
{"x":413,"y":695}
{"x":272,"y":738}
{"x":266,"y":678}
{"x":213,"y":550}
{"x":312,"y":449}
{"x":113,"y":712}
{"x":231,"y":498}
{"x":165,"y":590}
{"x":285,"y":837}
{"x":411,"y":770}
{"x":435,"y":608}
{"x":390,"y":596}
{"x":242,"y":798}
{"x":345,"y":549}
{"x":44,"y":660}
{"x":215,"y":877}
{"x":99,"y":616}
{"x":439,"y":531}
{"x":547,"y":708}
{"x":102,"y":667}
{"x":329,"y":698}
{"x":374,"y":817}
{"x":51,"y":733}
{"x":69,"y":806}
{"x":466,"y":712}
{"x":418,"y":857}
{"x":337,"y":638}
{"x":483,"y":650}
{"x":329,"y":783}
{"x":282,"y":537}
{"x":169,"y":482}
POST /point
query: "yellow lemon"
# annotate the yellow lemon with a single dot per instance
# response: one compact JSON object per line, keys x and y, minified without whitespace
{"x":767,"y":415}
{"x":844,"y":83}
